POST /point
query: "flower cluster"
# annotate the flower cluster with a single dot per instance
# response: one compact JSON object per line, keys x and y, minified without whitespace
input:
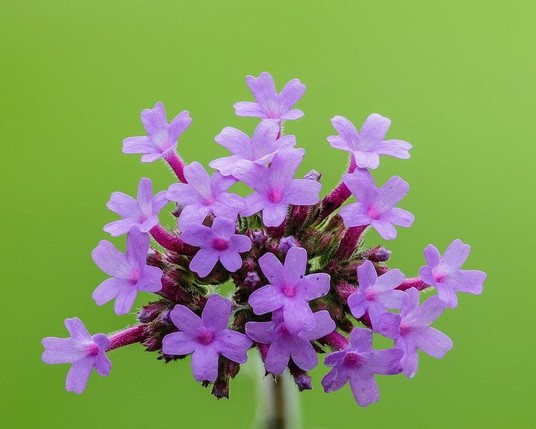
{"x":304,"y":283}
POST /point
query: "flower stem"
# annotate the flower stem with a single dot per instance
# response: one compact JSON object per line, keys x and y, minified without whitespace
{"x":128,"y":336}
{"x":177,"y":164}
{"x":415,"y":282}
{"x":339,"y":195}
{"x":170,"y":241}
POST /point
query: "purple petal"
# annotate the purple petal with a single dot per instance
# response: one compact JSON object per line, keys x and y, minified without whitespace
{"x":410,"y":361}
{"x":388,"y":281}
{"x":178,"y":343}
{"x":198,"y":235}
{"x":399,"y":217}
{"x":388,"y":325}
{"x":231,"y":260}
{"x":261,"y":332}
{"x":386,"y":230}
{"x":122,"y":204}
{"x":303,"y":192}
{"x":358,"y":304}
{"x":304,"y":355}
{"x":335,"y":379}
{"x":431,"y":341}
{"x":262,"y":88}
{"x":151,"y":280}
{"x":205,"y":364}
{"x":345,"y":128}
{"x":335,"y":358}
{"x":471,"y":281}
{"x":223,"y":227}
{"x":277,"y":358}
{"x":375,"y":128}
{"x":182,"y":193}
{"x":274,"y":214}
{"x":204,"y":261}
{"x":255,"y":203}
{"x":235,"y":346}
{"x":265,"y":300}
{"x":125,"y":300}
{"x":339,"y":143}
{"x":292,"y":114}
{"x":103,"y":366}
{"x":366,"y":159}
{"x":77,"y":330}
{"x":179,"y":124}
{"x":366,"y":275}
{"x":141,"y":144}
{"x":295,"y":264}
{"x":120,"y":227}
{"x":154,"y":119}
{"x":192,"y":215}
{"x":62,"y":350}
{"x":390,"y":194}
{"x":298,"y":315}
{"x":137,"y":248}
{"x":411,"y":303}
{"x":186,"y":320}
{"x":284,"y":166}
{"x":361,"y":340}
{"x":395,"y":148}
{"x":248,"y":108}
{"x":240,"y":243}
{"x":355,"y":215}
{"x":455,"y":255}
{"x":427,"y":275}
{"x":145,"y":194}
{"x":236,"y":141}
{"x":447,"y":295}
{"x":108,"y":290}
{"x":314,"y":286}
{"x":216,"y":313}
{"x":324,"y":326}
{"x":79,"y":374}
{"x":272,"y":268}
{"x":198,"y":178}
{"x":424,"y":315}
{"x":291,"y":93}
{"x":362,"y":186}
{"x":364,"y":388}
{"x":386,"y":362}
{"x":110,"y":260}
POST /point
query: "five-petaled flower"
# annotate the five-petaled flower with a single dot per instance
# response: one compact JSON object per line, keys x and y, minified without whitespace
{"x":206,"y":338}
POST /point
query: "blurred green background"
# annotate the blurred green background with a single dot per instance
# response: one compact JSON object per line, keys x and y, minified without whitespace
{"x":458,"y":80}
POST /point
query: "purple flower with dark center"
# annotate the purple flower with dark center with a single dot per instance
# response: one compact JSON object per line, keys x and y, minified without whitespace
{"x":367,"y":145}
{"x":141,"y":213}
{"x":161,"y":138}
{"x":289,"y":289}
{"x":376,"y":206}
{"x":217,"y":243}
{"x":204,"y":194}
{"x":130,"y":272}
{"x":376,"y":295}
{"x":268,"y":103}
{"x":285,"y":345}
{"x":411,"y":330}
{"x":206,"y":337}
{"x":260,"y":149}
{"x":358,"y":364}
{"x":445,"y":274}
{"x":275,"y":187}
{"x":83,"y":351}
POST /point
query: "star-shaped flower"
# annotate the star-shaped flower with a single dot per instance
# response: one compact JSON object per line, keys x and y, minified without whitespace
{"x":161,"y":138}
{"x":357,"y":364}
{"x":376,"y":295}
{"x":445,"y":274}
{"x":367,"y":145}
{"x":411,"y":330}
{"x":204,"y":194}
{"x":376,"y":206}
{"x":268,"y":103}
{"x":130,"y":272}
{"x":275,"y":187}
{"x":289,"y":289}
{"x":285,"y":345}
{"x":82,"y":350}
{"x":206,"y":338}
{"x":260,"y":149}
{"x":141,"y":213}
{"x":217,"y":243}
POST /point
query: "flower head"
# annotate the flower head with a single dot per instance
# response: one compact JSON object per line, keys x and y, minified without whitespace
{"x":140,"y":213}
{"x":206,"y":338}
{"x":289,"y":289}
{"x":82,"y":350}
{"x":217,"y":243}
{"x":357,"y":365}
{"x":367,"y":145}
{"x":161,"y":138}
{"x":376,"y":206}
{"x":275,"y":187}
{"x":376,"y":295}
{"x":268,"y":103}
{"x":285,"y":345}
{"x":129,"y":272}
{"x":445,"y":274}
{"x":411,"y":330}
{"x":204,"y":194}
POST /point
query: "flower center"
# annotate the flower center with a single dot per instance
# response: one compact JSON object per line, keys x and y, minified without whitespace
{"x":283,"y":329}
{"x":370,"y":295}
{"x":288,"y":290}
{"x":352,"y":359}
{"x":208,"y":201}
{"x":220,"y":244}
{"x":373,"y":213}
{"x":439,"y":277}
{"x":134,"y":276}
{"x":205,"y":337}
{"x":404,"y":329}
{"x":92,"y":349}
{"x":275,"y":195}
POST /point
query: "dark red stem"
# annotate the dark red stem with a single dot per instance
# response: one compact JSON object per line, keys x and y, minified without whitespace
{"x":170,"y":241}
{"x":339,"y":195}
{"x":350,"y":241}
{"x":132,"y":335}
{"x":177,"y":164}
{"x":415,"y":282}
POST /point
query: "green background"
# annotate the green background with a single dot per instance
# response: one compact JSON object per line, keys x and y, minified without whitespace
{"x":456,"y":78}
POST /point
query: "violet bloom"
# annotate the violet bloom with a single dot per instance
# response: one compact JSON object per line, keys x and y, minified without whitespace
{"x":411,"y":330}
{"x":268,"y":103}
{"x":376,"y":294}
{"x":260,"y":149}
{"x":275,"y":187}
{"x":285,"y":345}
{"x":358,"y":364}
{"x":161,"y":139}
{"x":130,"y":272}
{"x":289,"y":289}
{"x":367,"y":145}
{"x":204,"y":194}
{"x":141,"y":213}
{"x":217,"y":243}
{"x":376,"y":206}
{"x":83,"y":351}
{"x":206,"y":337}
{"x":445,"y":274}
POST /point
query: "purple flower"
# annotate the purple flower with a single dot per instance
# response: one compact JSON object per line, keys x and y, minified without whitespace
{"x":369,"y":143}
{"x":83,"y":351}
{"x":269,"y":104}
{"x":161,"y":138}
{"x":411,"y":330}
{"x":445,"y":274}
{"x":376,"y":207}
{"x":206,"y":337}
{"x":204,"y":194}
{"x":130,"y":272}
{"x":260,"y":149}
{"x":141,"y":213}
{"x":358,"y":364}
{"x":285,"y":345}
{"x":275,"y":187}
{"x":376,"y":294}
{"x":289,"y":289}
{"x":217,"y":243}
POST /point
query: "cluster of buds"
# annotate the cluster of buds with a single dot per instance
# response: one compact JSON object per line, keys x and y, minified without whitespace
{"x":304,"y":283}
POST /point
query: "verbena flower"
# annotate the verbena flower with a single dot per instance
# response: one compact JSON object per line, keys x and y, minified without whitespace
{"x":83,"y":351}
{"x":301,"y":277}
